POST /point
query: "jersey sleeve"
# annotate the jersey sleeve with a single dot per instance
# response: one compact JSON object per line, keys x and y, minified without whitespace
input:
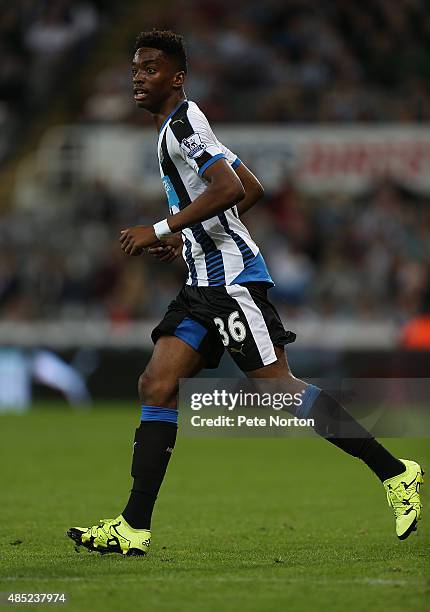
{"x":231,"y":157}
{"x":197,"y":144}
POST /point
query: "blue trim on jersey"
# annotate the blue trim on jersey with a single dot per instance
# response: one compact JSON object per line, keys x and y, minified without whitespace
{"x":190,"y":260}
{"x":172,"y":196}
{"x":309,"y":396}
{"x":247,"y":254}
{"x":171,"y":114}
{"x":254,"y":271}
{"x":210,"y":162}
{"x":236,"y":163}
{"x":157,"y":413}
{"x":213,"y":257}
{"x":191,"y":332}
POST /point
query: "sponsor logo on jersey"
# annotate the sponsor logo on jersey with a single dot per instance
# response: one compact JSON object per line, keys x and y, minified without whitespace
{"x":172,"y":196}
{"x":193,"y":146}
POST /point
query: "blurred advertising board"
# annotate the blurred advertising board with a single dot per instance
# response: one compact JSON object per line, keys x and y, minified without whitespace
{"x":325,"y":158}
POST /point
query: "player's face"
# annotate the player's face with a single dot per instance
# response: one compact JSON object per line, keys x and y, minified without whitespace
{"x":154,"y":78}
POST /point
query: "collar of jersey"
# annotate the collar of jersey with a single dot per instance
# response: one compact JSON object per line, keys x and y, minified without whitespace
{"x":177,"y":107}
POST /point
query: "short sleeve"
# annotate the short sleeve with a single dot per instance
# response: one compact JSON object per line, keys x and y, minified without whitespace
{"x":197,"y":143}
{"x":231,"y":157}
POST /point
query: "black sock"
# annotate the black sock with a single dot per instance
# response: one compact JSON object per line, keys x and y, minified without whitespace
{"x":335,"y":424}
{"x":153,"y":445}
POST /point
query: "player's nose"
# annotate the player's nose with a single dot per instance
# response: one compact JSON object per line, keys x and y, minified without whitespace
{"x":139,"y":77}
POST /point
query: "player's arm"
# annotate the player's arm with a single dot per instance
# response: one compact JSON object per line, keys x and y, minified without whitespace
{"x":253,"y":189}
{"x":171,"y":247}
{"x":224,"y":190}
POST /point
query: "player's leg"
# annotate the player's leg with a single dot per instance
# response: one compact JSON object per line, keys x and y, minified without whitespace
{"x":262,"y":355}
{"x":401,"y":478}
{"x":129,"y":533}
{"x":155,"y":438}
{"x":332,"y":421}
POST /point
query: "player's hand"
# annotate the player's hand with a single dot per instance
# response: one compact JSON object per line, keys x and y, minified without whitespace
{"x":167,"y":250}
{"x":134,"y":240}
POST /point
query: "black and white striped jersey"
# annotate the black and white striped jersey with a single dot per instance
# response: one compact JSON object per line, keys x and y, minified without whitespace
{"x":220,"y":250}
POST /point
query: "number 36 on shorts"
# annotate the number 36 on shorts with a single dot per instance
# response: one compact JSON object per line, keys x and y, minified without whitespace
{"x":235,"y":330}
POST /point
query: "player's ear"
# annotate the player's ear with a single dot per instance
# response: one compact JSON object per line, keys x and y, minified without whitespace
{"x":178,"y":79}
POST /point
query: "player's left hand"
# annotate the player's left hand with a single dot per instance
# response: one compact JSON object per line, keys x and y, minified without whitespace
{"x":134,"y":240}
{"x":168,"y":249}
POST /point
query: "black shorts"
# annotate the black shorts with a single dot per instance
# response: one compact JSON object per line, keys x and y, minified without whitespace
{"x":236,"y":318}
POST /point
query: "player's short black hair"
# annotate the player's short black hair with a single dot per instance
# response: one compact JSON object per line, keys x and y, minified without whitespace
{"x":169,"y":42}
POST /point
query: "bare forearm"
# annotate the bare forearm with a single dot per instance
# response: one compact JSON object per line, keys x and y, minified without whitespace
{"x":224,"y":190}
{"x":253,"y":189}
{"x":248,"y":202}
{"x":209,"y":204}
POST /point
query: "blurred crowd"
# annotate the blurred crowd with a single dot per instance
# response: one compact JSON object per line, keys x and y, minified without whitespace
{"x":291,"y":61}
{"x":41,"y":43}
{"x":295,"y":61}
{"x":331,"y":256}
{"x":363,"y":257}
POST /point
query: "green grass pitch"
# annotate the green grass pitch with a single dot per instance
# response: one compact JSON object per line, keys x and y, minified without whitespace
{"x":250,"y":524}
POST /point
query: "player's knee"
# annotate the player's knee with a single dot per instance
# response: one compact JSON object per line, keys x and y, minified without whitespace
{"x":154,"y":391}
